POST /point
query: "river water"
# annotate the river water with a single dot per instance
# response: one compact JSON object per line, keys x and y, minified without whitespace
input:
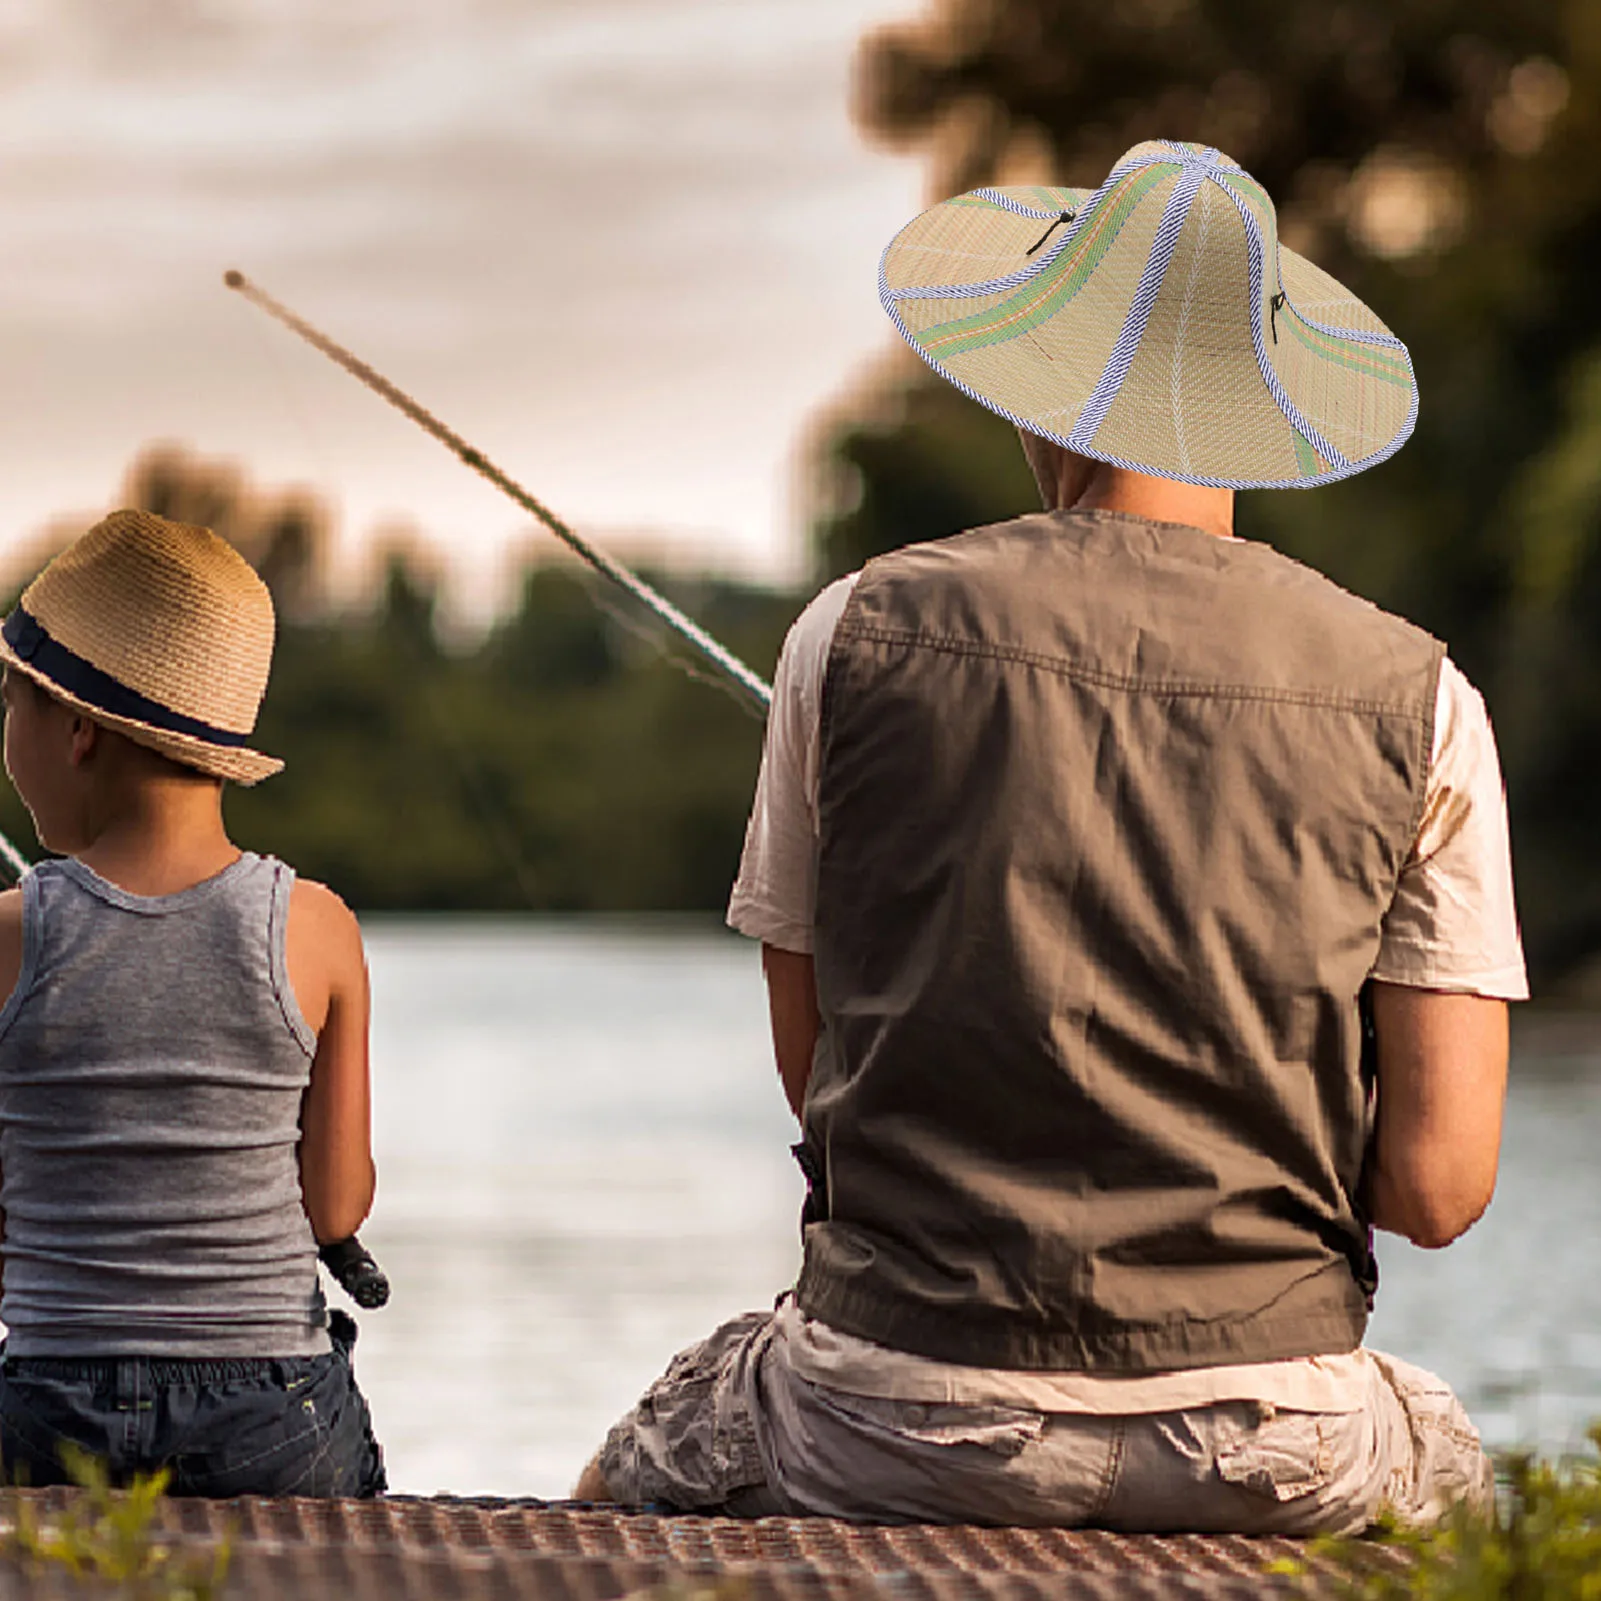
{"x":583,"y":1166}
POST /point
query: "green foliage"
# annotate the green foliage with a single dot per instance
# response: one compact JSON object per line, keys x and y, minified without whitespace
{"x":111,"y":1536}
{"x":933,"y":463}
{"x":1434,"y":154}
{"x":576,"y":758}
{"x":562,"y":763}
{"x":1543,"y":1540}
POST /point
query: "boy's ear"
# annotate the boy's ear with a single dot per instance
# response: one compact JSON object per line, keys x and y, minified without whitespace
{"x":85,"y":739}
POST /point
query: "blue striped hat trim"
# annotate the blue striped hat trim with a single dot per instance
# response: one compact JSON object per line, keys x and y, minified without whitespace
{"x":68,"y":671}
{"x":1174,"y":216}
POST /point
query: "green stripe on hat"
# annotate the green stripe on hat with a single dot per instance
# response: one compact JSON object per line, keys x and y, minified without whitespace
{"x":1043,"y":297}
{"x":1383,"y":362}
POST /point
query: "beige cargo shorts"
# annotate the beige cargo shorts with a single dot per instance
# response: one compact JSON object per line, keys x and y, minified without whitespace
{"x":731,"y":1428}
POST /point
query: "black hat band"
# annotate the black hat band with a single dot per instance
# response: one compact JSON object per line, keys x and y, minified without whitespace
{"x":70,"y":672}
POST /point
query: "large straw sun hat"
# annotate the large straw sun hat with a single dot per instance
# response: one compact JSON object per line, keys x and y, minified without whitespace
{"x":1155,"y":323}
{"x":156,"y":629}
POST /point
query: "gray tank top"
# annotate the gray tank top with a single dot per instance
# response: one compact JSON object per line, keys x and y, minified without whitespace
{"x":152,"y":1064}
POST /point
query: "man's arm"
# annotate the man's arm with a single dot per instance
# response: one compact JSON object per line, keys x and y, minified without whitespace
{"x":774,"y":895}
{"x":792,"y":1005}
{"x":1442,"y":1068}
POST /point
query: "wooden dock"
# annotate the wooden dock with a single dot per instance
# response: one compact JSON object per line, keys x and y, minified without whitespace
{"x":444,"y":1549}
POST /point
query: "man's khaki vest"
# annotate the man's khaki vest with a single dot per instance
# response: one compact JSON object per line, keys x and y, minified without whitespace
{"x":1111,"y":812}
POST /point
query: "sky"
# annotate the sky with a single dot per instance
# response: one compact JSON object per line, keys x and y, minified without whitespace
{"x":627,"y":247}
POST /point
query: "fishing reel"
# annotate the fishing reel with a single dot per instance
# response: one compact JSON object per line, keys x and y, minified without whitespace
{"x":356,"y":1273}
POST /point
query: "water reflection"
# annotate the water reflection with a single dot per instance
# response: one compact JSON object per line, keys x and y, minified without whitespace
{"x":1511,"y":1314}
{"x":583,"y":1167}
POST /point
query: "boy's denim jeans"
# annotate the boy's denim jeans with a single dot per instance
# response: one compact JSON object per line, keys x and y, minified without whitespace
{"x":256,"y":1426}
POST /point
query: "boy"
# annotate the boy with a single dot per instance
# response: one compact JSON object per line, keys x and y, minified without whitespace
{"x":184,"y":1104}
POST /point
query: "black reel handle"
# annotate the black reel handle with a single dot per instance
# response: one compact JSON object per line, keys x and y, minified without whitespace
{"x":358,"y":1274}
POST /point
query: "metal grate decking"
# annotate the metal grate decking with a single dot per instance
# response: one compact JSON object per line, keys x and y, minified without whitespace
{"x":490,"y":1550}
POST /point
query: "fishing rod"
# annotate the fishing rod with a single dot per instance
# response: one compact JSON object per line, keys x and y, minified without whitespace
{"x":750,"y":685}
{"x":349,"y":1262}
{"x":12,"y":860}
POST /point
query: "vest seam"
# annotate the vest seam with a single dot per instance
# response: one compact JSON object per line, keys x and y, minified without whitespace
{"x":1091,"y":1328}
{"x":844,"y":629}
{"x":1079,"y":672}
{"x":872,"y":1312}
{"x":1426,"y":766}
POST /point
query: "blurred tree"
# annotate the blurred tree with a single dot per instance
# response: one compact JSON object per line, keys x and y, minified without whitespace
{"x":560,"y":763}
{"x":571,"y":759}
{"x":1435,"y":155}
{"x":924,"y":461}
{"x":283,"y":536}
{"x":559,"y":637}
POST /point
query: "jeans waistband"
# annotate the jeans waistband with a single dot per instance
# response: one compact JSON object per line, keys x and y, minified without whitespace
{"x":158,"y":1369}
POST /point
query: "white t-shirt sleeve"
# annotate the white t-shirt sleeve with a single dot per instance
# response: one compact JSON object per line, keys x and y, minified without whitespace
{"x":775,"y":894}
{"x":1453,"y":924}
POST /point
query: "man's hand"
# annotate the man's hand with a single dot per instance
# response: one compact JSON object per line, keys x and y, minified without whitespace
{"x":1442,"y":1066}
{"x":792,"y":1004}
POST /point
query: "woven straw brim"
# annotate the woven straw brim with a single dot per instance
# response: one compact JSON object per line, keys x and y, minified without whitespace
{"x":238,"y":764}
{"x":158,"y":630}
{"x":1150,"y":331}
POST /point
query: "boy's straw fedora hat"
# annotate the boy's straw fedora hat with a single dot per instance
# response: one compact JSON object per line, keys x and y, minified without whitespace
{"x":158,"y":630}
{"x":1155,"y":323}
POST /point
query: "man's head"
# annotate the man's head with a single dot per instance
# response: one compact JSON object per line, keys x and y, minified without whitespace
{"x":1153,"y":324}
{"x":140,"y":652}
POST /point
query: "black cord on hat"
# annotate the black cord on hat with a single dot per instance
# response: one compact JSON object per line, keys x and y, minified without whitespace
{"x":1273,"y":313}
{"x":1067,"y":216}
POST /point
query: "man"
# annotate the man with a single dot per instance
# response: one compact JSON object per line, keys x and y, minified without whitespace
{"x":1077,"y":840}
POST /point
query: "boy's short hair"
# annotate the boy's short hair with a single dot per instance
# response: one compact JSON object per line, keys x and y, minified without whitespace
{"x":158,"y":630}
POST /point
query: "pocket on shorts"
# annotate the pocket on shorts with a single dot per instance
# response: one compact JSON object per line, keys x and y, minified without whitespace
{"x":1004,"y":1430}
{"x":1285,"y":1456}
{"x":1434,"y":1450}
{"x":691,"y":1441}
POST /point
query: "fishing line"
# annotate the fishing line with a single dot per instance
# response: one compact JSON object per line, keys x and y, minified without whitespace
{"x":16,"y":864}
{"x":653,"y":637}
{"x":493,"y":818}
{"x":756,"y":691}
{"x":291,"y":404}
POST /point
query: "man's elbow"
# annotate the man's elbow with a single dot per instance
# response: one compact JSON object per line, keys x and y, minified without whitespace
{"x":1435,"y":1232}
{"x":1433,"y":1220}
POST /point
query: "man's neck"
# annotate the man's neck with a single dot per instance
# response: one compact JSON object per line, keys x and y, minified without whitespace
{"x":1161,"y":500}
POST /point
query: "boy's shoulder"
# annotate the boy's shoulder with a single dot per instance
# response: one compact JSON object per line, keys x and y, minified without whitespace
{"x":323,"y":929}
{"x":324,"y":951}
{"x":318,"y":900}
{"x":322,"y":914}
